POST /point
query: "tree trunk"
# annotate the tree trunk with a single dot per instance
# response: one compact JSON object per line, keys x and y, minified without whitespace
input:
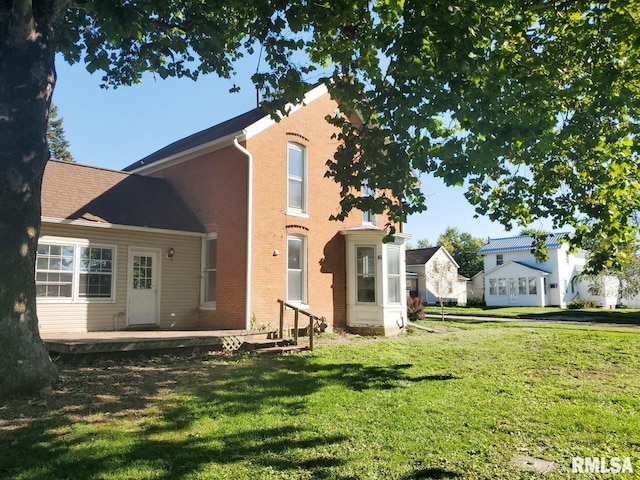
{"x":27,"y":79}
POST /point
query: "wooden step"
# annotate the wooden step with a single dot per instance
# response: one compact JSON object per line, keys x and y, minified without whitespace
{"x":254,"y":344}
{"x":281,"y":350}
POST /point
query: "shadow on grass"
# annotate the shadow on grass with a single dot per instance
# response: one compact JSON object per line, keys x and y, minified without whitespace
{"x":47,"y":457}
{"x":113,"y":418}
{"x":434,"y":473}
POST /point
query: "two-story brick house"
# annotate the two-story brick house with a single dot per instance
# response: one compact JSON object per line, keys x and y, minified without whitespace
{"x":258,"y":189}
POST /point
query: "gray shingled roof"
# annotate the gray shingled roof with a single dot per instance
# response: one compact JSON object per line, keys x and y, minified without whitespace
{"x":80,"y":192}
{"x":211,"y":134}
{"x":521,"y":243}
{"x":420,"y":256}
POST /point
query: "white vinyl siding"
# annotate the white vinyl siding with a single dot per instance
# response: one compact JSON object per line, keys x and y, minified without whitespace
{"x":180,"y":279}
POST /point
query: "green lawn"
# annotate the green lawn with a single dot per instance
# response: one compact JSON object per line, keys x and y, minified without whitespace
{"x":623,"y":315}
{"x":458,"y":403}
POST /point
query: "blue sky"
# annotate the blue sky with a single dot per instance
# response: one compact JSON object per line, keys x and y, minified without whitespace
{"x":114,"y":128}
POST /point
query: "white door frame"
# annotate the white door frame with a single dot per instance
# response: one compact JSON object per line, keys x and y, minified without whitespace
{"x":157,"y":269}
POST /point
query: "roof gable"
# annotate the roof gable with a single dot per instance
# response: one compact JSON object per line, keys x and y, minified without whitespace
{"x":521,"y":264}
{"x":521,"y":243}
{"x":80,"y":192}
{"x":247,"y":124}
{"x":420,"y":256}
{"x":217,"y":132}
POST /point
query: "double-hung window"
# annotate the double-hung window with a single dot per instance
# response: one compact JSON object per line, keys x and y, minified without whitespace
{"x":297,"y":269}
{"x":366,"y":274}
{"x":210,"y":273}
{"x":368,"y":217}
{"x":95,"y":272}
{"x":393,"y":274}
{"x":74,"y":272}
{"x":297,"y":179}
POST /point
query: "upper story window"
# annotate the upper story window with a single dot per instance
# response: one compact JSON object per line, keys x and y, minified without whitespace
{"x":368,"y":217}
{"x":297,"y":178}
{"x":499,"y":259}
{"x":73,"y":272}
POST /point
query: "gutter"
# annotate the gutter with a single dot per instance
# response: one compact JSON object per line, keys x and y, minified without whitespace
{"x":249,"y":226}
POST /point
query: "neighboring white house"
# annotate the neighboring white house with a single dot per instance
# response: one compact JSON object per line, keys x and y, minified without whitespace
{"x":513,"y":276}
{"x":475,"y":288}
{"x":432,"y":273}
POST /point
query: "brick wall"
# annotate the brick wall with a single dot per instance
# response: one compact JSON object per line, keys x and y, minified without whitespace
{"x":215,"y":187}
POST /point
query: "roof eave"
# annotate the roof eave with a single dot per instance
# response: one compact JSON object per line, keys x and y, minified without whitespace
{"x":117,"y":226}
{"x":194,"y":152}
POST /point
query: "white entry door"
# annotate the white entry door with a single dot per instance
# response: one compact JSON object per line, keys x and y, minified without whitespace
{"x":143,"y":291}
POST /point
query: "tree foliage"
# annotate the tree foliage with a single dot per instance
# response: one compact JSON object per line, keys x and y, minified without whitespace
{"x":464,"y":248}
{"x":58,"y":143}
{"x":531,"y":103}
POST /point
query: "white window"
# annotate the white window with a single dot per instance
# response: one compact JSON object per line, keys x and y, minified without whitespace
{"x":522,"y":286}
{"x":502,"y":286}
{"x":366,"y":274}
{"x":499,"y":259}
{"x":297,"y":269}
{"x":393,"y":274}
{"x":210,"y":272}
{"x":297,"y":174}
{"x":493,"y":286}
{"x":54,"y":271}
{"x":368,"y":217}
{"x":95,"y":277}
{"x":74,"y":272}
{"x":533,"y":286}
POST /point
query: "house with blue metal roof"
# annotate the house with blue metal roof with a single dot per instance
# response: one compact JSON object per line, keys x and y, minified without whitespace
{"x":513,"y":276}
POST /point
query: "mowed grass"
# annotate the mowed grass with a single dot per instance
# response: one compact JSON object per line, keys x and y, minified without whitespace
{"x":597,"y":315}
{"x":458,"y":403}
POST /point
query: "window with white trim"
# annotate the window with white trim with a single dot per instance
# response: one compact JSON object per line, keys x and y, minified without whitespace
{"x":393,"y":274}
{"x":210,"y":272}
{"x":533,"y":286}
{"x":296,"y":178}
{"x":493,"y":286}
{"x":502,"y":286}
{"x":74,"y":272}
{"x":499,"y":259}
{"x":297,"y":269}
{"x":368,"y":217}
{"x":522,"y":286}
{"x":366,"y":274}
{"x":95,"y":277}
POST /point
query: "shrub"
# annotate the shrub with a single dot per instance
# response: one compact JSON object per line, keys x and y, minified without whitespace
{"x":581,"y":303}
{"x":415,"y":308}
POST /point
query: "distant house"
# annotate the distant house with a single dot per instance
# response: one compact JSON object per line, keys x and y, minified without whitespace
{"x":513,"y":275}
{"x":432,"y":274}
{"x":475,"y":288}
{"x":212,"y":230}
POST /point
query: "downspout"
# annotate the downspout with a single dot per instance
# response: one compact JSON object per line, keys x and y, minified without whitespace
{"x":249,"y":226}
